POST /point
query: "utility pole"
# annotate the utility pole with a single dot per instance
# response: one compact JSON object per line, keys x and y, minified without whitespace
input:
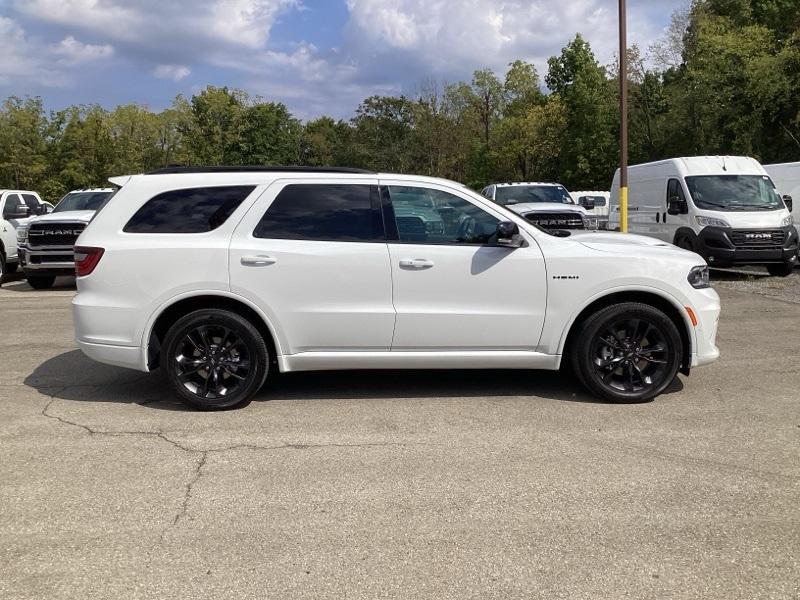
{"x":623,"y":119}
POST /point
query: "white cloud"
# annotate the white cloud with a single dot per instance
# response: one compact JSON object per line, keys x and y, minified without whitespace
{"x":74,"y":52}
{"x":174,"y":72}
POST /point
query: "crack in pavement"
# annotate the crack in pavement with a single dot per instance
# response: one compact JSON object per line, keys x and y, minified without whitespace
{"x":203,"y":453}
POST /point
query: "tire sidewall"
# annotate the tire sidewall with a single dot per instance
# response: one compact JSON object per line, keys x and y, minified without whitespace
{"x":583,"y":359}
{"x":249,"y":335}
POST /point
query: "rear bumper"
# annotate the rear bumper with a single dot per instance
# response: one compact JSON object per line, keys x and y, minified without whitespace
{"x":129,"y":357}
{"x":716,"y":246}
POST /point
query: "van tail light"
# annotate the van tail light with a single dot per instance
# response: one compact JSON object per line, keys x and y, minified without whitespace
{"x":86,"y":259}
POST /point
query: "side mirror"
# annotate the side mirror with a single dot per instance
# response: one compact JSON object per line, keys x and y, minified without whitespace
{"x":587,"y":203}
{"x":41,"y":209}
{"x":508,"y":235}
{"x":676,"y":206}
{"x":19,"y":211}
{"x":787,"y":200}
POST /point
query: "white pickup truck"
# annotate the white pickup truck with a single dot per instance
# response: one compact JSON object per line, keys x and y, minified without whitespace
{"x":16,"y":209}
{"x":45,"y":243}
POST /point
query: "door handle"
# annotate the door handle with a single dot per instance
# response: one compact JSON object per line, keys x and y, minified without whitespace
{"x":416,"y":263}
{"x":257,"y":261}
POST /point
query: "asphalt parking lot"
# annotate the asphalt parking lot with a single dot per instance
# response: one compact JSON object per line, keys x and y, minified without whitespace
{"x":402,"y":485}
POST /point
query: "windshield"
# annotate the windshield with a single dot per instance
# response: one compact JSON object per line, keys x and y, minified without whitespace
{"x":517,"y":194}
{"x":82,"y":201}
{"x":733,"y":192}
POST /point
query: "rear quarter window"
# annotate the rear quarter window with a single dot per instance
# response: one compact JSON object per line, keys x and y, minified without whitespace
{"x":190,"y":210}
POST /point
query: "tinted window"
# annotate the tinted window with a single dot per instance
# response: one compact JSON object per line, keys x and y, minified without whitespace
{"x":346,"y":213}
{"x":428,"y":216}
{"x":193,"y":210}
{"x":31,"y":201}
{"x":674,"y":189}
{"x":13,"y":202}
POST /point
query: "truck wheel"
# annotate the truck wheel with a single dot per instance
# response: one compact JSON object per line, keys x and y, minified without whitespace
{"x":628,"y":352}
{"x":39,"y":282}
{"x":685,"y":243}
{"x":12,"y":268}
{"x":214,"y":359}
{"x":2,"y":266}
{"x":780,"y":270}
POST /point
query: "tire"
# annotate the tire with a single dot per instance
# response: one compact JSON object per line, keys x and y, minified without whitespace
{"x":214,"y":359}
{"x":40,"y":282}
{"x":685,"y":243}
{"x":628,"y":352}
{"x":781,"y":270}
{"x":10,"y":269}
{"x":2,"y":266}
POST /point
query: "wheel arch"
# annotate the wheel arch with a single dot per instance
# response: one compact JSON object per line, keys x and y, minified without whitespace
{"x":667,"y":304}
{"x":182,"y":305}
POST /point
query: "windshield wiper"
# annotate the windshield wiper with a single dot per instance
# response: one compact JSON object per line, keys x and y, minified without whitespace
{"x":717,"y":204}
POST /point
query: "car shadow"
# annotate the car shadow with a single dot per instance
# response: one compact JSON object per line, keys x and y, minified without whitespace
{"x":15,"y":282}
{"x":738,"y":274}
{"x":72,"y":376}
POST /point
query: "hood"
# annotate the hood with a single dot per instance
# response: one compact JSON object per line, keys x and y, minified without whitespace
{"x":623,"y":243}
{"x":762,"y":219}
{"x":528,"y":207}
{"x":82,"y":216}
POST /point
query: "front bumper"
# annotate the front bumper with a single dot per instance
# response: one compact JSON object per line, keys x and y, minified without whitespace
{"x":706,"y":307}
{"x":726,"y":247}
{"x":46,"y":262}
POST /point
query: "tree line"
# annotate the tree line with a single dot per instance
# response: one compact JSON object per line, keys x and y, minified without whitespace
{"x":724,"y":80}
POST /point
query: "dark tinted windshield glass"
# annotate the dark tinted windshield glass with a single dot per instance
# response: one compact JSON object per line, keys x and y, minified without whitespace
{"x":83,"y":201}
{"x":517,"y":194}
{"x":733,"y":192}
{"x":192,"y":210}
{"x":346,"y":213}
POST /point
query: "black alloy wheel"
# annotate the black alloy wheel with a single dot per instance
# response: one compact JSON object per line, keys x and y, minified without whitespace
{"x":627,"y":352}
{"x":214,"y":359}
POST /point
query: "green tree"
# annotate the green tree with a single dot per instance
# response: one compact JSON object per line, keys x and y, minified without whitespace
{"x":265,"y":134}
{"x":23,"y":133}
{"x":590,"y":146}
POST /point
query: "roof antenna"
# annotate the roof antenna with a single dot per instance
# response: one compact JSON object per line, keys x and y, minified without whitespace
{"x":724,"y":168}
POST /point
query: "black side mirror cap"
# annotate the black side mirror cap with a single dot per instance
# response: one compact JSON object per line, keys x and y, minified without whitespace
{"x":787,"y":200}
{"x":508,"y":235}
{"x":676,"y":206}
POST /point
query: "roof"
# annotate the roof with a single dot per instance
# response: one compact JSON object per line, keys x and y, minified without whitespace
{"x":91,"y":190}
{"x":543,"y":183}
{"x":174,"y":170}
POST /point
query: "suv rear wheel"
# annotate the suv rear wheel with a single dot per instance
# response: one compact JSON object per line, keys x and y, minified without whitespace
{"x":628,"y":352}
{"x":214,"y":359}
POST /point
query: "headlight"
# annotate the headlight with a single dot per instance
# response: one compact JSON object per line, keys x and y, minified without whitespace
{"x":22,"y":235}
{"x":787,"y":221}
{"x":699,"y":278}
{"x":711,"y":222}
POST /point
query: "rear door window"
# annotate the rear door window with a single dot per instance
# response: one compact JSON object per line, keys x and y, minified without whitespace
{"x":324,"y":212}
{"x":190,"y":210}
{"x":31,"y":201}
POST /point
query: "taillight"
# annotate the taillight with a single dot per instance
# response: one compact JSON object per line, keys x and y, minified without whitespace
{"x":86,"y":259}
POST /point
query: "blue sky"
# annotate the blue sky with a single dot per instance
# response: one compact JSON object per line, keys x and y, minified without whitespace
{"x":316,"y":56}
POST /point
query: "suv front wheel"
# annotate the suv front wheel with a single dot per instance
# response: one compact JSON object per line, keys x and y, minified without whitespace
{"x":628,"y":352}
{"x":214,"y":359}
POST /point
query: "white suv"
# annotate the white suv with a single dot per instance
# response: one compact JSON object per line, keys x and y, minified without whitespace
{"x":222,"y":276}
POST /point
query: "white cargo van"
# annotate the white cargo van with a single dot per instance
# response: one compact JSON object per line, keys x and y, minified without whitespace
{"x":786,"y":177}
{"x":725,"y":208}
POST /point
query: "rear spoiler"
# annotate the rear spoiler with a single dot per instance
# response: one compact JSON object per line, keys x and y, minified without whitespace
{"x":120,"y":181}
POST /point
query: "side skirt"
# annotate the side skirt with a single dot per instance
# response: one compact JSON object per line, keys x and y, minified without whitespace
{"x":332,"y":361}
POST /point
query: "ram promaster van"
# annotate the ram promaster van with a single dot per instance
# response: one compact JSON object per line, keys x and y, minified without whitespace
{"x":725,"y":208}
{"x":786,"y":178}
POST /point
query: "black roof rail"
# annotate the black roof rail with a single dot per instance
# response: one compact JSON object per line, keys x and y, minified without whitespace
{"x":175,"y":169}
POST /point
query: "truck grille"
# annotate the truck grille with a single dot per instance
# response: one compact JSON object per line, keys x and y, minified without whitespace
{"x":54,"y":234}
{"x":771,"y":238}
{"x":565,"y":220}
